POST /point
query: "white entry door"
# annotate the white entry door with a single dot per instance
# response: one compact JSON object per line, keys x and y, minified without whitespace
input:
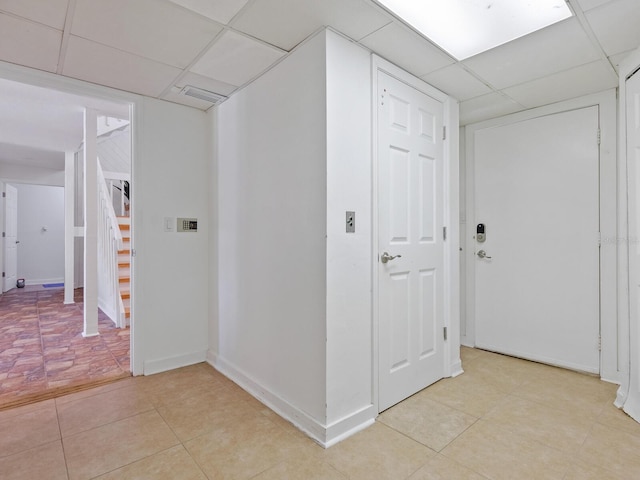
{"x":632,"y":112}
{"x":537,"y":193}
{"x":410,"y":233}
{"x":11,"y":238}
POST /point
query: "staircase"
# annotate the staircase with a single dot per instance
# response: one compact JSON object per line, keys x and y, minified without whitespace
{"x":124,"y":267}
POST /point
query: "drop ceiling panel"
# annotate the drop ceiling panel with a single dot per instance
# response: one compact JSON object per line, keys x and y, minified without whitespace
{"x":591,"y":78}
{"x":160,"y":31}
{"x":221,"y":11}
{"x":589,"y":4}
{"x":285,"y":23}
{"x":236,"y":59}
{"x":206,"y":83}
{"x":28,"y":43}
{"x":553,"y":49}
{"x":485,"y":107}
{"x":96,"y":63}
{"x":407,"y":49}
{"x":616,"y":25}
{"x":457,"y":82}
{"x":47,"y":12}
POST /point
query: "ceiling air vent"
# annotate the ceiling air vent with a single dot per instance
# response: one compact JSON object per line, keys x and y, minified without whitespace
{"x":201,"y":94}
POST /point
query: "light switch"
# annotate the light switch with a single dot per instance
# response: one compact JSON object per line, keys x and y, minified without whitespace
{"x":168,"y":224}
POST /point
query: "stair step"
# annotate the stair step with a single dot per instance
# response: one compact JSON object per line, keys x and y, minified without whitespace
{"x":124,"y":227}
{"x":123,"y":279}
{"x":126,"y":302}
{"x":125,"y":295}
{"x":124,"y":263}
{"x":127,"y":312}
{"x":126,"y":252}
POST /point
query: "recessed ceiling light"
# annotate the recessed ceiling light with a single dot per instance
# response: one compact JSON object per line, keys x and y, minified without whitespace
{"x":465,"y":28}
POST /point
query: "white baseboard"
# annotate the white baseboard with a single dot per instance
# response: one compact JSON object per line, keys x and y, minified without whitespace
{"x":170,"y":363}
{"x":456,"y":368}
{"x":42,"y":281}
{"x":324,"y":435}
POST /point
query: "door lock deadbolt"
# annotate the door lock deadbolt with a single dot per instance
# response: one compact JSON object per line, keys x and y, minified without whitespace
{"x":480,"y":233}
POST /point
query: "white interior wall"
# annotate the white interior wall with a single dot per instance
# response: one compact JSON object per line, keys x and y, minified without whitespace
{"x":271,"y":160}
{"x":41,"y":233}
{"x":349,"y":255}
{"x":170,"y":269}
{"x":34,"y":175}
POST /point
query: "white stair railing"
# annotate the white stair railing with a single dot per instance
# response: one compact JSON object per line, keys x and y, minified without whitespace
{"x":109,"y":242}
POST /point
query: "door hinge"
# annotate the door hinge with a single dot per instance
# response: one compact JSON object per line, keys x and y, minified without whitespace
{"x":444,"y":132}
{"x":599,"y":239}
{"x":444,"y":233}
{"x":599,"y":136}
{"x":133,"y":252}
{"x":599,"y":344}
{"x":3,"y":234}
{"x":445,"y":332}
{"x":2,"y":274}
{"x":4,"y":194}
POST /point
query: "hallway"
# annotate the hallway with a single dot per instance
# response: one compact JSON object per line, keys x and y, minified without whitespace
{"x":42,"y":351}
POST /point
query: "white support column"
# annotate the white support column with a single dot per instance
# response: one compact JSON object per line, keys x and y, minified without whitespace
{"x":90,"y":223}
{"x":69,"y":227}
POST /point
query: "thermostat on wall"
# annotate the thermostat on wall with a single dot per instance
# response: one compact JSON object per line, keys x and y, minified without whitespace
{"x":187,"y":225}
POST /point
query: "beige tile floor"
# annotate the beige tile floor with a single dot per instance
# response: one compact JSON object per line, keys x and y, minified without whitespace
{"x":503,"y":418}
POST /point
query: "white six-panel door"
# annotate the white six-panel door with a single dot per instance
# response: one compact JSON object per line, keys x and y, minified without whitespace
{"x":410,"y":228}
{"x":11,"y":238}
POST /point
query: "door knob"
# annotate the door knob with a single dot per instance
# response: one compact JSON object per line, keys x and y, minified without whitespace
{"x":482,"y":254}
{"x":386,"y":257}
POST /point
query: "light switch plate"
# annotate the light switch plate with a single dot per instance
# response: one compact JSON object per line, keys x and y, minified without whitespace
{"x":168,"y":224}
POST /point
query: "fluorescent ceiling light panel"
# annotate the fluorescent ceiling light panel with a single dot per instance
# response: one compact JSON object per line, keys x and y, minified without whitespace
{"x":467,"y":27}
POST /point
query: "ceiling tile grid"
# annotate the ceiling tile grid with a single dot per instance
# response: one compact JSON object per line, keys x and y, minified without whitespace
{"x":407,"y":49}
{"x":157,"y":30}
{"x":157,"y":47}
{"x":617,"y":25}
{"x":545,"y":52}
{"x":583,"y":80}
{"x":222,"y":11}
{"x":454,"y":80}
{"x":107,"y":66}
{"x":235,"y":59}
{"x":286,"y":23}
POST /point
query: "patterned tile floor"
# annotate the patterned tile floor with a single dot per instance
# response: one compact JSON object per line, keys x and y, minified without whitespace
{"x":42,"y":348}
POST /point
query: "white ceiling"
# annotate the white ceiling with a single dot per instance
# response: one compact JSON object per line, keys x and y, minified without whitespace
{"x":156,"y":47}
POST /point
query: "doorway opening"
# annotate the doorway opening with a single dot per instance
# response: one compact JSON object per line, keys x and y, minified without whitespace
{"x":44,"y":351}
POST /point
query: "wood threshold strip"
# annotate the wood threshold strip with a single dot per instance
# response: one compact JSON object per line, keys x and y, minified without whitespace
{"x":60,"y":391}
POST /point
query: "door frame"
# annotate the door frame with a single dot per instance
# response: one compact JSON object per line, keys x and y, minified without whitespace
{"x":52,"y":81}
{"x":451,"y":351}
{"x":628,"y":272}
{"x":609,"y":221}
